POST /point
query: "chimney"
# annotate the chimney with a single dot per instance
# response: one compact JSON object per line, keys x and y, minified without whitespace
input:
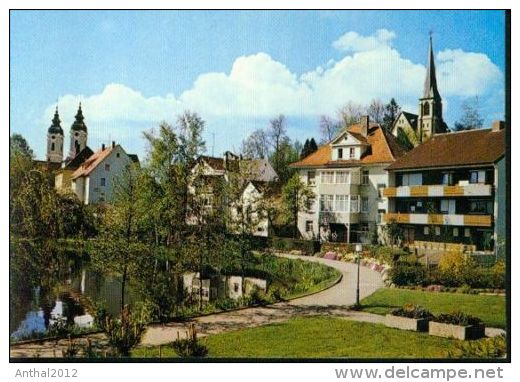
{"x":364,"y":121}
{"x":103,"y":147}
{"x":497,"y":125}
{"x":113,"y":144}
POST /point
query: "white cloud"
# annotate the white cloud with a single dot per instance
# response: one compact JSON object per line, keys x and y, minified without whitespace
{"x":466,"y":74}
{"x":259,"y":87}
{"x":354,"y":42}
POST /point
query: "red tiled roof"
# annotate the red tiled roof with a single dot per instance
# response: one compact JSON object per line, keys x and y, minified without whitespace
{"x":383,"y":148}
{"x":91,"y":163}
{"x":481,"y":146}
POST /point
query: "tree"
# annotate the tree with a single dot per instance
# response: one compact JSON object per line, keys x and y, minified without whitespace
{"x":394,"y":232}
{"x":392,"y":110}
{"x":277,"y":134}
{"x":350,"y":113}
{"x":471,"y":118}
{"x":256,"y":145}
{"x":329,"y":128}
{"x":313,"y":147}
{"x":376,"y":110}
{"x":296,"y":197}
{"x":18,"y":145}
{"x":287,"y":154}
{"x":309,"y":147}
{"x":305,"y":149}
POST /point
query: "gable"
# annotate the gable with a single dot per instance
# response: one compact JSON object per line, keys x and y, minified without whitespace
{"x":347,"y":139}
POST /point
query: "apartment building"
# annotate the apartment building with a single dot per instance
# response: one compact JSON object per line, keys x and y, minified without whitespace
{"x":449,"y":192}
{"x":347,"y":176}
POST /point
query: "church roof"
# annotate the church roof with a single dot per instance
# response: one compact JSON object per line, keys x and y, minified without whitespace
{"x":430,"y":83}
{"x":55,"y":128}
{"x":75,"y":162}
{"x":79,"y":123}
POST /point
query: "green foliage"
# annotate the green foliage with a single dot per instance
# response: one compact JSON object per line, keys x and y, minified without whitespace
{"x":296,"y":197}
{"x":495,"y":347}
{"x":392,"y":110}
{"x":470,"y":117}
{"x":394,"y":232}
{"x":406,"y":274}
{"x":307,"y":247}
{"x":458,"y":318}
{"x":124,"y":333}
{"x":189,"y":346}
{"x":412,"y":311}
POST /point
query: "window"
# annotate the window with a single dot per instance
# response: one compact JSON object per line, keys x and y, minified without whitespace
{"x":467,"y":232}
{"x":380,"y":187}
{"x":455,"y":232}
{"x":340,"y":153}
{"x":342,"y":177}
{"x":52,"y":146}
{"x":107,"y":167}
{"x":477,"y":177}
{"x":447,"y":178}
{"x":380,"y":214}
{"x":447,"y":206}
{"x":352,"y":153}
{"x":438,"y":231}
{"x":426,"y":230}
{"x":235,"y":287}
{"x":326,"y":202}
{"x":412,"y":179}
{"x":354,"y":203}
{"x":311,"y":178}
{"x":308,"y":226}
{"x":364,"y":177}
{"x":327,"y":177}
{"x":205,"y":293}
{"x":118,"y":155}
{"x":481,"y":207}
{"x":102,"y":182}
{"x":340,"y":203}
{"x":364,"y":205}
{"x":426,"y":109}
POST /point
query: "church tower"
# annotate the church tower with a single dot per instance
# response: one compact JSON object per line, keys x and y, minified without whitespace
{"x":55,"y":140}
{"x":430,"y":120}
{"x":78,"y":134}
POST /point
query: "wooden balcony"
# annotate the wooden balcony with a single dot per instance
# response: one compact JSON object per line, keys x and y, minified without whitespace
{"x":440,"y":219}
{"x":438,"y":190}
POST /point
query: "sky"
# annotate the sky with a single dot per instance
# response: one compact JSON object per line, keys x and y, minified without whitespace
{"x":238,"y":69}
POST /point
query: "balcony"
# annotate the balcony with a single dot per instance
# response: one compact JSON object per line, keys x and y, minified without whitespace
{"x":440,"y":219}
{"x":339,"y":217}
{"x":438,"y":190}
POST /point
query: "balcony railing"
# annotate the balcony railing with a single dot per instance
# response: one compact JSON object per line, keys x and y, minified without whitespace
{"x":440,"y":219}
{"x":438,"y":190}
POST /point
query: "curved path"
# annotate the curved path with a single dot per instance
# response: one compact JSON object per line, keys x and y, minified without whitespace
{"x":332,"y":301}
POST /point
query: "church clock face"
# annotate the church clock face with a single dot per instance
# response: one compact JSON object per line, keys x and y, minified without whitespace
{"x":76,"y":134}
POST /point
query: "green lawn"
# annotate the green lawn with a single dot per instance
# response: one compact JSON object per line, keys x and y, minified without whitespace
{"x":318,"y":337}
{"x":490,"y":309}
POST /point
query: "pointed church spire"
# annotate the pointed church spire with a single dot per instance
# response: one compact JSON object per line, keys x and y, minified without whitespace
{"x":55,"y":128}
{"x":430,"y":83}
{"x":79,"y":123}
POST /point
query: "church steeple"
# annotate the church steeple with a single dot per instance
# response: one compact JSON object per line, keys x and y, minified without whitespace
{"x":55,"y":140}
{"x":78,"y":134}
{"x":430,"y":120}
{"x":430,"y":83}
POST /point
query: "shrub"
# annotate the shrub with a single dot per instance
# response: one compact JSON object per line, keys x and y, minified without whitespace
{"x":226,"y":304}
{"x":308,"y":247}
{"x":495,"y":347}
{"x":405,"y":274}
{"x":457,"y":318}
{"x":189,"y":346}
{"x":124,"y":333}
{"x":412,"y":311}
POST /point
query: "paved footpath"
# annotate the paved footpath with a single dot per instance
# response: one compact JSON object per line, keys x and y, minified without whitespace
{"x":333,"y":301}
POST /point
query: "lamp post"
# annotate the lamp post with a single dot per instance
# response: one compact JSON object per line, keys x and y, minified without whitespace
{"x":359,"y":248}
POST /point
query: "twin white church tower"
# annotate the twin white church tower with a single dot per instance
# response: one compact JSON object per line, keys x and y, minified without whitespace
{"x":55,"y":138}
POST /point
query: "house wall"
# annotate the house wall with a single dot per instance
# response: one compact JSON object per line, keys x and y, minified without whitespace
{"x":63,"y":180}
{"x":377,"y":204}
{"x":98,"y":193}
{"x":78,"y":187}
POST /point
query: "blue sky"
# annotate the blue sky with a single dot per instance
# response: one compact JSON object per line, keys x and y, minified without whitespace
{"x":239,"y":69}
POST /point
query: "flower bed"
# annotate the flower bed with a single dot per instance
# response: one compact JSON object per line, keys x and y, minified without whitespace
{"x":457,"y":325}
{"x":409,"y":317}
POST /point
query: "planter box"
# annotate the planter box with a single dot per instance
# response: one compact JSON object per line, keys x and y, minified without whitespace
{"x":405,"y":323}
{"x":470,"y":332}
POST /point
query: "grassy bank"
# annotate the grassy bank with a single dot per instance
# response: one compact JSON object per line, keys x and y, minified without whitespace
{"x":318,"y":337}
{"x":491,"y":309}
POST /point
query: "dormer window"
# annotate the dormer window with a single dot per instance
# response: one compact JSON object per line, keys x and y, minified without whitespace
{"x":352,"y":153}
{"x":340,"y":153}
